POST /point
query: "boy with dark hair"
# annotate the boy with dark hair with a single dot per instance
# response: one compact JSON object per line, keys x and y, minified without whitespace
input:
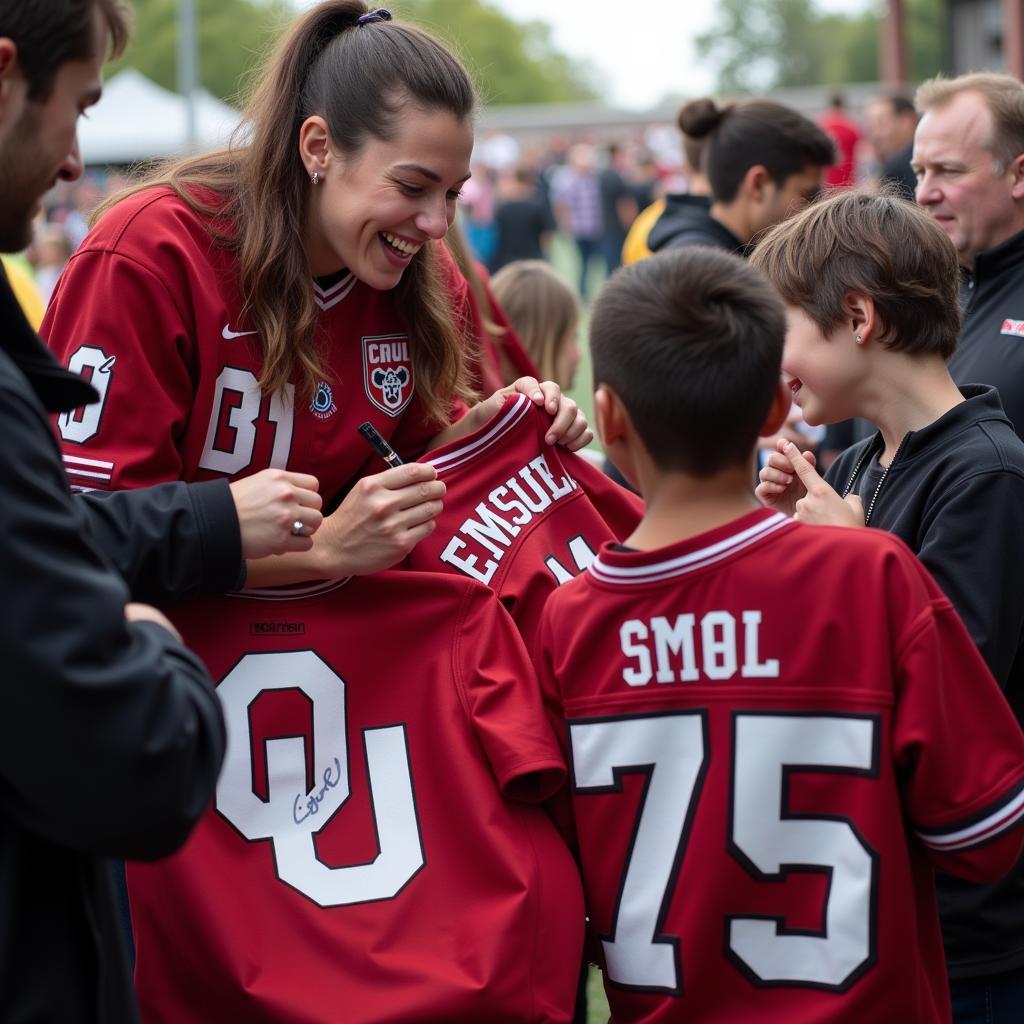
{"x":871,"y":287}
{"x":776,"y":730}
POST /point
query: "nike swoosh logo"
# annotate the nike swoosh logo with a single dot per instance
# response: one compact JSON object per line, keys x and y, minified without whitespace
{"x":228,"y":335}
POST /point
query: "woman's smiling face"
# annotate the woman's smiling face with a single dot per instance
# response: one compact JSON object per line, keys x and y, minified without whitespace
{"x":373,"y":210}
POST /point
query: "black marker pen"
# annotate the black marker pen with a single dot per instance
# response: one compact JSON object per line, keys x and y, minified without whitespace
{"x":379,"y":445}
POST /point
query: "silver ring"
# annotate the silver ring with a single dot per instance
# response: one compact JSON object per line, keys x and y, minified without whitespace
{"x":297,"y":528}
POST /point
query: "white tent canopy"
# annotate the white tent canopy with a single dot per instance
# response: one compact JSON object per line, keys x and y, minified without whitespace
{"x":136,"y":119}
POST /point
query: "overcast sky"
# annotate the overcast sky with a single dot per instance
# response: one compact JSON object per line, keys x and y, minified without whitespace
{"x":642,"y":49}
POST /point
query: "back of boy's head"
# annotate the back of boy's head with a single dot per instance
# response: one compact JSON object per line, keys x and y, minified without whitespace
{"x":739,"y":136}
{"x":691,"y":342}
{"x":878,"y":245}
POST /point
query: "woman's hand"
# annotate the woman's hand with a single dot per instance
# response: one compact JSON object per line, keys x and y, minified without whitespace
{"x":269,"y":504}
{"x":569,"y":426}
{"x":379,"y":522}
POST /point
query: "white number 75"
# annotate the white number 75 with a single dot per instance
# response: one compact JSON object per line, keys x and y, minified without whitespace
{"x":672,"y":750}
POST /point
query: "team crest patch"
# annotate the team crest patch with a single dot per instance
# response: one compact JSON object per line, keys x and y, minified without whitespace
{"x":387,"y":372}
{"x":1015,"y":328}
{"x":322,"y":406}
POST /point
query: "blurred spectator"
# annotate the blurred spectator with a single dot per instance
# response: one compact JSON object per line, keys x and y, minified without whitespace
{"x":845,"y":133}
{"x":763,"y":161}
{"x":618,"y":206}
{"x":523,"y":219}
{"x":645,"y":183}
{"x":86,"y":197}
{"x":889,"y":123}
{"x":19,"y":277}
{"x":545,"y":313}
{"x":576,"y":195}
{"x":497,"y":152}
{"x":696,"y":199}
{"x":501,"y":358}
{"x":49,"y":254}
{"x":477,"y":212}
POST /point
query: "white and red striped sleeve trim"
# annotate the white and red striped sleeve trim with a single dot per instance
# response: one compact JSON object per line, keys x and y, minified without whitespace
{"x":989,"y":824}
{"x":87,"y":471}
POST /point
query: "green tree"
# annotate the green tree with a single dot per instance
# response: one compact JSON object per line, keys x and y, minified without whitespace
{"x":513,"y":62}
{"x":763,"y":44}
{"x":232,"y":35}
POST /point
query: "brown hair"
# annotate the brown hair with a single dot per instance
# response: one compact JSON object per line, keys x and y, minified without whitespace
{"x":691,"y":341}
{"x":358,"y":79}
{"x":739,"y":136}
{"x":50,"y":33}
{"x":879,"y":245}
{"x":541,"y":307}
{"x":1004,"y":96}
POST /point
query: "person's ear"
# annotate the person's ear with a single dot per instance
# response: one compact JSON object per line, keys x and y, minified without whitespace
{"x":1016,"y":171}
{"x":10,"y":75}
{"x":755,"y":183}
{"x":607,"y":416}
{"x":314,"y":144}
{"x":778,"y":410}
{"x":861,"y":317}
{"x":615,"y":429}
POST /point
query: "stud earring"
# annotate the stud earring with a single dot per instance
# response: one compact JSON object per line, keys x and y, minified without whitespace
{"x":315,"y":177}
{"x":859,"y":339}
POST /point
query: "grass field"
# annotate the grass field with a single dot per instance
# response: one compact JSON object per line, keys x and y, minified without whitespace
{"x":597,"y":1005}
{"x":565,"y":260}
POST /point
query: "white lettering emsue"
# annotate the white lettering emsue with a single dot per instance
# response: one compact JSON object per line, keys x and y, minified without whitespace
{"x":482,"y":540}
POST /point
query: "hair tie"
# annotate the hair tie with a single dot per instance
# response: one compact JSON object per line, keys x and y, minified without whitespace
{"x":378,"y":15}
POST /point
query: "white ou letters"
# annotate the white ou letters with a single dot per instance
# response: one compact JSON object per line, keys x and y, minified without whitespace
{"x":293,"y":813}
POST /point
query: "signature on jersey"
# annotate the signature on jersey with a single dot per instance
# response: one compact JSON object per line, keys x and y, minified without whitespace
{"x":332,"y":776}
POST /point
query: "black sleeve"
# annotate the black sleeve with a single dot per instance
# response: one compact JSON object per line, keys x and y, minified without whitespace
{"x":170,"y":541}
{"x":111,"y":734}
{"x":979,"y":576}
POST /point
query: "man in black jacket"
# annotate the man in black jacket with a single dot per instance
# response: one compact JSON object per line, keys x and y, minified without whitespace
{"x":969,"y":161}
{"x":111,"y":735}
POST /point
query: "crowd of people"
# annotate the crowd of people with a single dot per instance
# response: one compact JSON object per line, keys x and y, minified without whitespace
{"x":335,"y":656}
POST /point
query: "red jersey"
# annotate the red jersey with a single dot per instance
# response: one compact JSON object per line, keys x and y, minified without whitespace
{"x":776,"y":732}
{"x":149,"y":310}
{"x":520,"y":515}
{"x":375,"y":852}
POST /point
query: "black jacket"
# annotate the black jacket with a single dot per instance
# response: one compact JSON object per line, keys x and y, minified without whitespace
{"x":955,"y":494}
{"x":991,"y":349}
{"x":111,"y":735}
{"x":687,"y":220}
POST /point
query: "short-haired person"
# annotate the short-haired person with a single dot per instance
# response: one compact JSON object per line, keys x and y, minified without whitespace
{"x":776,"y":730}
{"x":969,"y":161}
{"x":762,"y":160}
{"x":111,"y":735}
{"x":870,"y":284}
{"x":889,"y":123}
